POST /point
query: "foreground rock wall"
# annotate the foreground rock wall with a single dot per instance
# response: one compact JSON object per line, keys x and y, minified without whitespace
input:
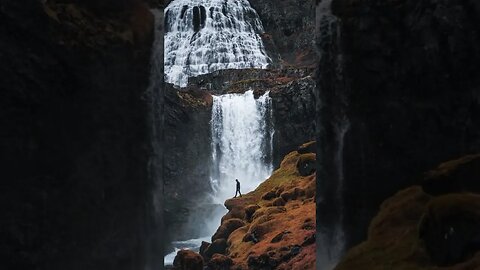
{"x":76,"y":143}
{"x":422,"y":228}
{"x":407,"y":82}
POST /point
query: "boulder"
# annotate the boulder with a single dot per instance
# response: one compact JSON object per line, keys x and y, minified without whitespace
{"x":279,"y":202}
{"x":250,"y":210}
{"x":227,"y":228}
{"x":269,"y":195}
{"x":450,"y":228}
{"x":217,"y":247}
{"x":203,"y":248}
{"x":220,"y":262}
{"x":187,"y":259}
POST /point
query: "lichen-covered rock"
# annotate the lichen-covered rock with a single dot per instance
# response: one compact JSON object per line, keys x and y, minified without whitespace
{"x":188,"y":260}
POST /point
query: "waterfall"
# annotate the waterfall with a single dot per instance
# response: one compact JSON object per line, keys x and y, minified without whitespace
{"x":331,"y":234}
{"x":242,"y":137}
{"x":202,"y":36}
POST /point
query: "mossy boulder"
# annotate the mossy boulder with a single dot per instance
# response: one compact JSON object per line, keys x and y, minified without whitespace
{"x":269,"y":195}
{"x":250,"y":210}
{"x":279,"y":202}
{"x":450,"y":228}
{"x":187,"y":259}
{"x":220,"y":262}
{"x":217,"y":247}
{"x":461,"y":175}
{"x":235,"y":213}
{"x":227,"y":228}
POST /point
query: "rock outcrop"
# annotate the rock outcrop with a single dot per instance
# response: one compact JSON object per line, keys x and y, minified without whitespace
{"x":289,"y":27}
{"x":261,"y":233}
{"x":187,"y":159}
{"x":398,"y":92}
{"x":414,"y":230}
{"x":80,"y":157}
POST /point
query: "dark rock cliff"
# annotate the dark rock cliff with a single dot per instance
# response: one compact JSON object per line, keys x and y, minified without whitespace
{"x":289,"y":27}
{"x":187,"y":158}
{"x":403,"y":77}
{"x":78,"y":162}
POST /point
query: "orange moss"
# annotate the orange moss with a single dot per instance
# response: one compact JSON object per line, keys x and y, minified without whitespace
{"x":265,"y":221}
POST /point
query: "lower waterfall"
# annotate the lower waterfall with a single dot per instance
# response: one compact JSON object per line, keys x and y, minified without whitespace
{"x":241,"y":142}
{"x":242,"y":136}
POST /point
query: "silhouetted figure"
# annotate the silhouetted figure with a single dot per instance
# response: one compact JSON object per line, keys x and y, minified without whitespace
{"x":238,"y":189}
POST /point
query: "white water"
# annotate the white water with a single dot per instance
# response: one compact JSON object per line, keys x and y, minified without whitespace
{"x":202,"y":36}
{"x":193,"y":244}
{"x":241,"y":143}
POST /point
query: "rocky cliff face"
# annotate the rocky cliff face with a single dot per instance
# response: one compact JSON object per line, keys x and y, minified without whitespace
{"x":406,"y":81}
{"x":289,"y":27}
{"x":76,"y":143}
{"x":187,"y":159}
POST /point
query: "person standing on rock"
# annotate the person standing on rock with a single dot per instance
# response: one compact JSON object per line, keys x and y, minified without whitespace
{"x":238,"y":189}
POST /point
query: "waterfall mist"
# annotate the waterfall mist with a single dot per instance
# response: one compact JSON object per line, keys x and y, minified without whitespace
{"x":202,"y":36}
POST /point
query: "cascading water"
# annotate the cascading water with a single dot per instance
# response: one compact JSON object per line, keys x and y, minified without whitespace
{"x":203,"y":36}
{"x":331,"y":239}
{"x":242,"y":136}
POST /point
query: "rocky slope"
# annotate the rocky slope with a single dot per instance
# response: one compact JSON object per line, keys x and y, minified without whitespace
{"x":405,"y":87}
{"x":272,"y":227}
{"x":426,"y":227}
{"x":80,"y":155}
